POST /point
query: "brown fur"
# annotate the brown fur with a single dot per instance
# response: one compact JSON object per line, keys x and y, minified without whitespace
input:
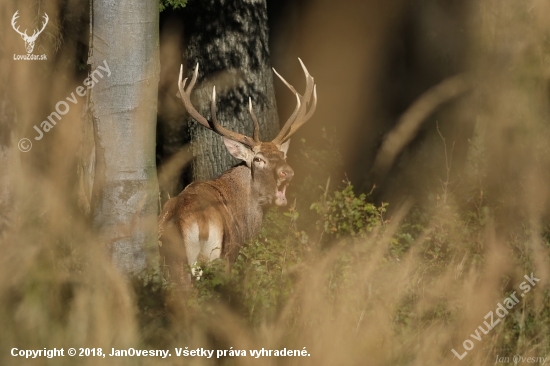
{"x":230,"y":202}
{"x":216,"y":217}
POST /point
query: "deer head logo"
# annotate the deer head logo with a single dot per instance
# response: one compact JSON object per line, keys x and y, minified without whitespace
{"x":29,"y":40}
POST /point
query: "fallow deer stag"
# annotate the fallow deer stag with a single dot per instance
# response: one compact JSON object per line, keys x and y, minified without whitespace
{"x":212,"y":219}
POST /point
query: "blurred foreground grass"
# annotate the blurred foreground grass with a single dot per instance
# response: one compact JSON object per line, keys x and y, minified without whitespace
{"x":356,"y":283}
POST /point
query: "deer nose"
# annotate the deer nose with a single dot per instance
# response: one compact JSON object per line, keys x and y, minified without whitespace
{"x":286,"y":173}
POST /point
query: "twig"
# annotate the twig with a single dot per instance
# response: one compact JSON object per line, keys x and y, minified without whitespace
{"x":448,"y":164}
{"x":410,"y":122}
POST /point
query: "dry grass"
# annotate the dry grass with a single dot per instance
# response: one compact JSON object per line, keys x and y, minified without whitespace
{"x":487,"y":230}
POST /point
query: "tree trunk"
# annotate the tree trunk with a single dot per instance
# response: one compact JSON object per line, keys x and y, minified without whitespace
{"x":229,"y":38}
{"x":125,"y":36}
{"x":9,"y":160}
{"x":10,"y":164}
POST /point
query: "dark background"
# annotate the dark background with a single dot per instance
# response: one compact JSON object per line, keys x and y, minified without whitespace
{"x":370,"y":62}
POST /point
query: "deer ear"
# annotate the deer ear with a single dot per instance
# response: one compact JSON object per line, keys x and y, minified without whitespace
{"x":238,"y":150}
{"x":284,"y":147}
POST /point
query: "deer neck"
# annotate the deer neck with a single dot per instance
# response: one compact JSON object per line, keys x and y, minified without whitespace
{"x":242,"y":197}
{"x":241,"y":187}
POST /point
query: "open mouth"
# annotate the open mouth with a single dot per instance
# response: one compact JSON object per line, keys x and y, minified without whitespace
{"x":280,"y":198}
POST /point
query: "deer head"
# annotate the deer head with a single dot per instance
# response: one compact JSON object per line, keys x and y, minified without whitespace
{"x":29,"y":40}
{"x":267,"y":160}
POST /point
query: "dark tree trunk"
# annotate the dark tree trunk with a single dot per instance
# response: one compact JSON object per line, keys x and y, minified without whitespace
{"x":229,"y":38}
{"x":124,"y":107}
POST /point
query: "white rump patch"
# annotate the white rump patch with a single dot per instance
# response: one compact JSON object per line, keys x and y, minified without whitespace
{"x":192,"y":243}
{"x":210,"y":249}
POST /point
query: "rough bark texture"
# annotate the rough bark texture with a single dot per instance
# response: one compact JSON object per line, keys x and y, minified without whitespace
{"x":124,"y":105}
{"x":229,"y":38}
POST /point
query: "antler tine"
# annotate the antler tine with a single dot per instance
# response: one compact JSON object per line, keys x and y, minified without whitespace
{"x":310,"y":84}
{"x":292,"y":117}
{"x":299,"y":124}
{"x":185,"y":95}
{"x":288,"y":123}
{"x":256,"y":133}
{"x":284,"y":81}
{"x":191,"y":84}
{"x":13,"y":19}
{"x":37,"y":32}
{"x":301,"y":114}
{"x":219,"y":129}
{"x":46,"y":19}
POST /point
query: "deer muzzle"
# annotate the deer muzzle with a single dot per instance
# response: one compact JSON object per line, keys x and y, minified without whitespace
{"x":284,"y":175}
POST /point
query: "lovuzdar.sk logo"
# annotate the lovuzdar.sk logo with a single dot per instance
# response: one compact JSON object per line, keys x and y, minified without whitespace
{"x":29,"y":40}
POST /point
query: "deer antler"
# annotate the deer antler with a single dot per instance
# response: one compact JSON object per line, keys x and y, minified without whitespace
{"x":13,"y":19}
{"x":214,"y":125}
{"x":299,"y":116}
{"x":24,"y":34}
{"x":35,"y":34}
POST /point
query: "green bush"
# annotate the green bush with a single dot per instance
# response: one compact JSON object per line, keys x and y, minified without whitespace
{"x":268,"y":267}
{"x":174,"y":4}
{"x":345,"y":214}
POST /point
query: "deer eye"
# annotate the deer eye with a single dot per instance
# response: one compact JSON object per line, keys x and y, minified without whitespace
{"x":259,"y":160}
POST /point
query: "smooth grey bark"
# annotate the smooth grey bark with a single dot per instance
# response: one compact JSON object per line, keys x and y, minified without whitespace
{"x":229,"y":38}
{"x":9,"y":161}
{"x":125,"y":35}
